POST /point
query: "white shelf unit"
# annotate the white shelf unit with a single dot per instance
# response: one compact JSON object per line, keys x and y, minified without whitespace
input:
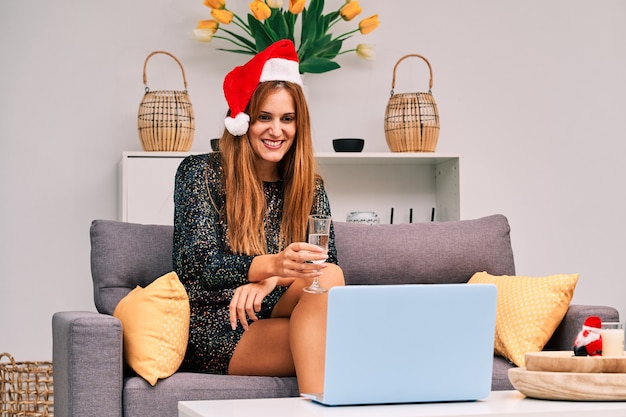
{"x":354,"y":181}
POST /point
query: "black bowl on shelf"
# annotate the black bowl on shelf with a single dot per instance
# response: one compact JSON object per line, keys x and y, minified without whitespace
{"x":348,"y":145}
{"x":215,"y":145}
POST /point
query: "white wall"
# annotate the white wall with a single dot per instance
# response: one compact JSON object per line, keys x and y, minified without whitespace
{"x":530,"y":93}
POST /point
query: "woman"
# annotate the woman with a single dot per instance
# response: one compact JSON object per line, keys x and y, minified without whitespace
{"x":241,"y":227}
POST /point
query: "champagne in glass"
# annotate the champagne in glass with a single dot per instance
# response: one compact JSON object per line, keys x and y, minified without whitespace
{"x":321,"y":240}
{"x":319,"y":231}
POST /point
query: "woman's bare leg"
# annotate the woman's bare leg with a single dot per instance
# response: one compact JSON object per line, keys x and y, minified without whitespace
{"x":264,"y":350}
{"x":293,"y":340}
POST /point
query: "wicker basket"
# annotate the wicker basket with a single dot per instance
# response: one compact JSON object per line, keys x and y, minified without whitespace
{"x":166,"y":120}
{"x":411,"y":119}
{"x":26,"y":388}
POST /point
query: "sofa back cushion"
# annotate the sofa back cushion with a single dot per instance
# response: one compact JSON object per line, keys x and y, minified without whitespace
{"x":424,"y":253}
{"x":124,"y":255}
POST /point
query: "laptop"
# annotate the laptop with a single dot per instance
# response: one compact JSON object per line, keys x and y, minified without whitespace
{"x":412,"y":343}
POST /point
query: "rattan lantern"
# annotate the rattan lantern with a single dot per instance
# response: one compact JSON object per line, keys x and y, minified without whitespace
{"x":165,"y":121}
{"x":411,"y":119}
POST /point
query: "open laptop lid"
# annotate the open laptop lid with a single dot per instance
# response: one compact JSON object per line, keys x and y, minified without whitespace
{"x":409,"y":343}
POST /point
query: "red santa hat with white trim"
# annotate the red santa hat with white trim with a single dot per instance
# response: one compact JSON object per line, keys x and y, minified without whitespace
{"x":593,"y":323}
{"x":278,"y":62}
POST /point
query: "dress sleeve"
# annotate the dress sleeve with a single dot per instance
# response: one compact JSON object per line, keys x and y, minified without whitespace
{"x":321,"y":205}
{"x":200,"y":252}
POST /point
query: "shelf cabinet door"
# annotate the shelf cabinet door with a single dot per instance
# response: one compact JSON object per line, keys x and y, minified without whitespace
{"x":378,"y":182}
{"x":147,"y":187}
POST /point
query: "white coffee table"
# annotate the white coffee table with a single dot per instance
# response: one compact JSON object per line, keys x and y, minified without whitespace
{"x":499,"y":403}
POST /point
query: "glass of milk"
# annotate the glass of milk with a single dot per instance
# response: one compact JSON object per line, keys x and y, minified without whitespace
{"x":612,"y":339}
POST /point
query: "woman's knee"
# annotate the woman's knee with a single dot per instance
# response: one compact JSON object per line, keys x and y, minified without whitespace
{"x":332,"y":276}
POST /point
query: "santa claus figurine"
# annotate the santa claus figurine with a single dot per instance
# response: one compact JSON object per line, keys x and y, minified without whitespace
{"x":589,"y":340}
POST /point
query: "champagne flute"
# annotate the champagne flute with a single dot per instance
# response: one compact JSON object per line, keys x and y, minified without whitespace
{"x":319,"y":232}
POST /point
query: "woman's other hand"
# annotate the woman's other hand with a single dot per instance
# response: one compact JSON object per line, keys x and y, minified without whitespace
{"x":246,"y":301}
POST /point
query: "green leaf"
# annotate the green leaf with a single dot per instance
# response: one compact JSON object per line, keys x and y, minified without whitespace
{"x":324,"y":47}
{"x":248,"y":43}
{"x":308,"y":28}
{"x":325,"y":22}
{"x":329,"y":50}
{"x":263,"y":36}
{"x":318,"y":65}
{"x":329,"y":19}
{"x":316,"y":7}
{"x":279,"y":24}
{"x":291,"y":24}
{"x":237,"y":51}
{"x":311,"y":18}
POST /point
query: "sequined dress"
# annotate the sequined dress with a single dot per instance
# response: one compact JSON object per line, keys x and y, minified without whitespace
{"x":205,"y":265}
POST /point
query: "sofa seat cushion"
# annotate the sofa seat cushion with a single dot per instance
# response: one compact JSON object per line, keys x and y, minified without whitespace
{"x":500,"y":377}
{"x":141,"y":399}
{"x":424,"y":253}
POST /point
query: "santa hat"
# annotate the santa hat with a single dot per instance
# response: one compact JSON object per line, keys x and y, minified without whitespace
{"x":278,"y":62}
{"x":592,"y":323}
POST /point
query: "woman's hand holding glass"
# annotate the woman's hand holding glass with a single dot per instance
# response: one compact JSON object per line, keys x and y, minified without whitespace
{"x":301,"y":260}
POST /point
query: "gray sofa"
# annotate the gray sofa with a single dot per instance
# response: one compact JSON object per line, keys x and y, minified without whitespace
{"x":90,"y":378}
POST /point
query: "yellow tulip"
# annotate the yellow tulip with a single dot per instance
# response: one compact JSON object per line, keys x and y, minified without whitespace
{"x":296,"y":6}
{"x":369,"y":24}
{"x":366,"y":51}
{"x":350,"y":10}
{"x":211,"y":25}
{"x":215,"y":4}
{"x":260,"y":10}
{"x":223,"y":16}
{"x":275,"y":4}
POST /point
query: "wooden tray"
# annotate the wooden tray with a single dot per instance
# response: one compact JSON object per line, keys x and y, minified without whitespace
{"x":569,"y":386}
{"x":565,"y":361}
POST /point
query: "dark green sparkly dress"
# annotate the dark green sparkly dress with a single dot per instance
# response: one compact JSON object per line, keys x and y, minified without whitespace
{"x":206,"y":266}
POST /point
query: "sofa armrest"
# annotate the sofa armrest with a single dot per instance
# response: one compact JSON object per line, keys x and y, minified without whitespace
{"x":88,"y":365}
{"x":564,"y":335}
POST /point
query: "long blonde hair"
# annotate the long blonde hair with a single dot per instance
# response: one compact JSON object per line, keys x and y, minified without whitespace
{"x":245,"y":198}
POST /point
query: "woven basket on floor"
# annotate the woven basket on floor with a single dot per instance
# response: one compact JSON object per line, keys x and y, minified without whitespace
{"x":411,"y":119}
{"x":26,"y":388}
{"x":166,"y":121}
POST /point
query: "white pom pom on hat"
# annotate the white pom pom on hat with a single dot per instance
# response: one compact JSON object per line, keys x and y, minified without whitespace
{"x":278,"y":62}
{"x":237,"y":125}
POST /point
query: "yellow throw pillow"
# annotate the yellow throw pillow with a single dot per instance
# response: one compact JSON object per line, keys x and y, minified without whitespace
{"x":155,"y":325}
{"x":529,"y":309}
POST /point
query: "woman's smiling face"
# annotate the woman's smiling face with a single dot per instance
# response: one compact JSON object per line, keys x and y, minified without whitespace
{"x":273,"y":132}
